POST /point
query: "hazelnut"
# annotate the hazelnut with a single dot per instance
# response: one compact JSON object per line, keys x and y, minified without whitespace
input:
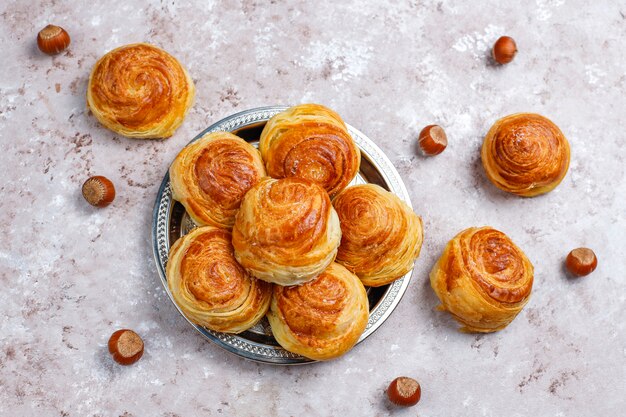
{"x":404,"y":391}
{"x":581,"y":261}
{"x":53,"y":40}
{"x":504,"y":50}
{"x":125,"y":346}
{"x":433,"y":140}
{"x":98,"y":191}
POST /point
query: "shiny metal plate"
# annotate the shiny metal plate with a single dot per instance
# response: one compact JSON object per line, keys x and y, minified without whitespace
{"x":170,"y":221}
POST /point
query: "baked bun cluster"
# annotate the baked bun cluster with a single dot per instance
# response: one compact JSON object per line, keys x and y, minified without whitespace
{"x":482,"y":278}
{"x":271,"y":238}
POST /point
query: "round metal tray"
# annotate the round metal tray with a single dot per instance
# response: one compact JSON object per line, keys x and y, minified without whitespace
{"x":170,"y":221}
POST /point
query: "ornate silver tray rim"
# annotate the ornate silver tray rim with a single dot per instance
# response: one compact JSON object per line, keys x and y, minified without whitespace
{"x":236,"y":344}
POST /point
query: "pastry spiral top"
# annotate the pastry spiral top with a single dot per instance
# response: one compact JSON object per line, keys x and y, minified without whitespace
{"x":211,"y":175}
{"x":525,"y":154}
{"x":210,"y":287}
{"x":286,"y":231}
{"x":140,"y":91}
{"x":310,"y":141}
{"x":381,"y":235}
{"x":483,"y":279}
{"x":323,"y":318}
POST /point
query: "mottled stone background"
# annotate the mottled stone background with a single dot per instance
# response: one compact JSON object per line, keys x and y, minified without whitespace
{"x":71,"y":274}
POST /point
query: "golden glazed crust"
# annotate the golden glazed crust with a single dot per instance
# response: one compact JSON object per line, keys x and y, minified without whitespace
{"x":310,"y":141}
{"x":286,"y":231}
{"x":211,"y":175}
{"x":483,"y":279}
{"x":381,"y":235}
{"x":210,"y":287}
{"x":525,"y":154}
{"x":323,"y":318}
{"x":140,"y":91}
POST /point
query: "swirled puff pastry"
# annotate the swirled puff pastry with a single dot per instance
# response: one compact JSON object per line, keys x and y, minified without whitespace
{"x":323,"y":318}
{"x":210,"y":287}
{"x":211,"y":175}
{"x":140,"y":91}
{"x":286,"y":231}
{"x":381,"y":235}
{"x":483,"y":279}
{"x":525,"y":154}
{"x":310,"y":141}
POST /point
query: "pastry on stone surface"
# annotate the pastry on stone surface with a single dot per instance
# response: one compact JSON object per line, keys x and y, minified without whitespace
{"x":525,"y":154}
{"x":483,"y":279}
{"x":140,"y":91}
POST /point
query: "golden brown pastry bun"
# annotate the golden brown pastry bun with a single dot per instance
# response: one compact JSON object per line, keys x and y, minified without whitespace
{"x":525,"y":154}
{"x":210,"y":287}
{"x":211,"y":175}
{"x":381,"y":235}
{"x":286,"y":231}
{"x":323,"y":318}
{"x":140,"y":91}
{"x":310,"y":141}
{"x":482,"y":279}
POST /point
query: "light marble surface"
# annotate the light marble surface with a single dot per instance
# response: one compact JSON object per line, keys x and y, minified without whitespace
{"x":70,"y":274}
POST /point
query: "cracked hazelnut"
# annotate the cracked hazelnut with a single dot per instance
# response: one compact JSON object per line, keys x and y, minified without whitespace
{"x":581,"y":261}
{"x":433,"y":140}
{"x":98,"y":191}
{"x":404,"y":391}
{"x":504,"y":50}
{"x":53,"y":40}
{"x":125,"y":346}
